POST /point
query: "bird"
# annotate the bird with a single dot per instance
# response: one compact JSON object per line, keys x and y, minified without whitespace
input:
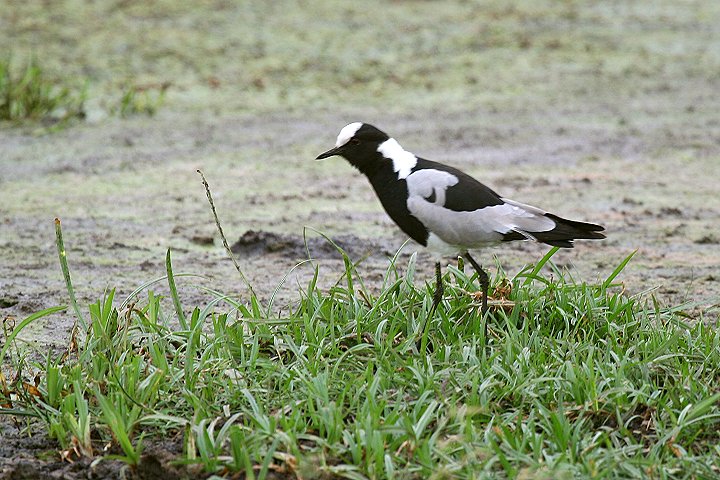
{"x":445,"y":209}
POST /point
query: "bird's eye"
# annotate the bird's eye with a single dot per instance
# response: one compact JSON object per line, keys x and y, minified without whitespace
{"x":355,"y":141}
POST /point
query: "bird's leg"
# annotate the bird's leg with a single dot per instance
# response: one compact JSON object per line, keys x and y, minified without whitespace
{"x":484,"y":281}
{"x":439,"y":290}
{"x":422,"y":344}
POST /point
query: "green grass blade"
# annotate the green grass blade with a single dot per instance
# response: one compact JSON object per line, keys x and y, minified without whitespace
{"x":19,"y":413}
{"x":66,"y":274}
{"x":608,"y":281}
{"x":350,"y":266}
{"x":538,"y":266}
{"x":116,"y":423}
{"x":702,"y":407}
{"x":174,"y":293}
{"x":145,"y":285}
{"x":27,"y":321}
{"x":279,"y":286}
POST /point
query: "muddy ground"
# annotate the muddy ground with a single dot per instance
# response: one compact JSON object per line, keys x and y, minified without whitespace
{"x":121,"y":211}
{"x":599,"y":112}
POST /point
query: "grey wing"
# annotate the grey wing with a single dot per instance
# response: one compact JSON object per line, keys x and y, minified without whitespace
{"x":468,"y":214}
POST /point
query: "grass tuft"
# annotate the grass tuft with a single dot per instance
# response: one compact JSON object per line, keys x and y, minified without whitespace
{"x":141,"y":100}
{"x":33,"y":96}
{"x":575,"y":380}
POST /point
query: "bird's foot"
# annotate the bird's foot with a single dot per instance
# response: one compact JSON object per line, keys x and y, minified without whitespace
{"x":439,"y":290}
{"x":437,"y":299}
{"x":499,"y":299}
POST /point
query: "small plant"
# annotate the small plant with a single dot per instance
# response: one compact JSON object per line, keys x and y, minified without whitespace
{"x":141,"y":99}
{"x":33,"y":96}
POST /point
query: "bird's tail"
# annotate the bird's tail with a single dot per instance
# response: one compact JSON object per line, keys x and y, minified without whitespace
{"x":566,"y":231}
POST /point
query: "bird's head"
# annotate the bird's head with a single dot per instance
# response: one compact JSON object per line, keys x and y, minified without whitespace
{"x":358,"y":143}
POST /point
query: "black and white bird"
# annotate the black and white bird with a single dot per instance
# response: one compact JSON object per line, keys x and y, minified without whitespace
{"x":444,"y":209}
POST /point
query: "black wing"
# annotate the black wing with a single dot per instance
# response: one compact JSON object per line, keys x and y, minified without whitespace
{"x":468,"y":194}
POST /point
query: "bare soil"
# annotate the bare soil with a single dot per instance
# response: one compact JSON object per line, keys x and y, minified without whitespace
{"x":32,"y":457}
{"x":121,"y":211}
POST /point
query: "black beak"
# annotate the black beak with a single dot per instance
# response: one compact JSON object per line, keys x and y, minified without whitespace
{"x":329,"y":153}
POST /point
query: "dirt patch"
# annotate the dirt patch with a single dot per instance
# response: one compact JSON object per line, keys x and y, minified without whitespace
{"x":26,"y":453}
{"x":295,"y":247}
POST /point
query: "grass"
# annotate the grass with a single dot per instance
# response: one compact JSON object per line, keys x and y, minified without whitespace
{"x":258,"y":57}
{"x":141,"y":100}
{"x":574,"y":380}
{"x":33,"y":96}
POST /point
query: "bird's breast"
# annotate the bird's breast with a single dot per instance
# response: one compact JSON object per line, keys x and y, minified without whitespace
{"x":393,"y":195}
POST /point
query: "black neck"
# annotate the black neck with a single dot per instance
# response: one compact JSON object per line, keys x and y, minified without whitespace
{"x":371,"y":165}
{"x":393,"y":194}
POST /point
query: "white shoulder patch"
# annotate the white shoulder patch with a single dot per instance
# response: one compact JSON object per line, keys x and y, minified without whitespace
{"x":429,"y":181}
{"x":403,"y":161}
{"x":347,"y":132}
